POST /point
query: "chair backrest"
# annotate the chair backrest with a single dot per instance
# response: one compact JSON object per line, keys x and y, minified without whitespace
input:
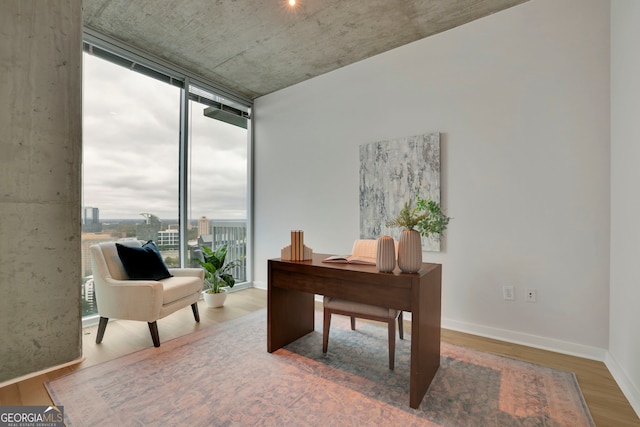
{"x":105,"y":261}
{"x":368,"y":248}
{"x":365,"y":248}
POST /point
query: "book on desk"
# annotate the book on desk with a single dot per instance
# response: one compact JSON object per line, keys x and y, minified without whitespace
{"x":363,"y":252}
{"x":350,"y":259}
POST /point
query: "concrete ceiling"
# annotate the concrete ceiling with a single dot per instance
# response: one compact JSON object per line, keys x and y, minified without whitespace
{"x":256,"y":47}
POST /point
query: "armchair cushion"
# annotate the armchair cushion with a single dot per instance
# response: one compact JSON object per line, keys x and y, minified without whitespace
{"x":175,"y":288}
{"x":143,"y":263}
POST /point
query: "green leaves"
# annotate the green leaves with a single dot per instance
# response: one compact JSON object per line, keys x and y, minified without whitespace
{"x":426,"y":217}
{"x":408,"y":217}
{"x":216,"y":272}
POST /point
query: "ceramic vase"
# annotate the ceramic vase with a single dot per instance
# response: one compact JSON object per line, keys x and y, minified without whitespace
{"x":410,"y":251}
{"x":386,"y":255}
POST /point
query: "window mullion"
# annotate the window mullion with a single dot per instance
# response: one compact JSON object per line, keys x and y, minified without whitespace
{"x":183,"y":171}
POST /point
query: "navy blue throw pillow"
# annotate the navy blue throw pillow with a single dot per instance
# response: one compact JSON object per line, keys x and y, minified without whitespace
{"x":143,"y":263}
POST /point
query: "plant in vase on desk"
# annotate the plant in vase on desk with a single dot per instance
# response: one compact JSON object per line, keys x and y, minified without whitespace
{"x":425,"y":219}
{"x":217,"y":276}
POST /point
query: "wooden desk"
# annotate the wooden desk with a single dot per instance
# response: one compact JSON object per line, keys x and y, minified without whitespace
{"x":290,"y":305}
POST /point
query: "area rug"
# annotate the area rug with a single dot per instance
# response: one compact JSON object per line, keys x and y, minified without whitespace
{"x":223,"y":376}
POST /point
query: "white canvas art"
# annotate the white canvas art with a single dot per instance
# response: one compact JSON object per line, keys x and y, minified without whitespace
{"x":392,"y":173}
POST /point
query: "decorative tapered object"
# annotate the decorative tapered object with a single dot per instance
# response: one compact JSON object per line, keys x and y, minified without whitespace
{"x":386,"y":255}
{"x":297,"y":250}
{"x":410,"y":251}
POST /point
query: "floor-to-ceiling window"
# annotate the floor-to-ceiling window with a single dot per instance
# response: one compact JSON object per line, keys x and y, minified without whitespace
{"x":217,"y":165}
{"x":132,"y":166}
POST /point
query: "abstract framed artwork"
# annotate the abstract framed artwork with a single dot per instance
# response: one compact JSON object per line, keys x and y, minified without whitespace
{"x":392,"y":173}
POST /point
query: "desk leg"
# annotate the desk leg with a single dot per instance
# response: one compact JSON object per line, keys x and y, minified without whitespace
{"x":425,"y":336}
{"x":289,"y":316}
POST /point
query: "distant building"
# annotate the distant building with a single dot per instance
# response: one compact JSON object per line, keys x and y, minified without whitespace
{"x":91,"y":220}
{"x":204,"y":226}
{"x":148,"y":230}
{"x":169,"y":237}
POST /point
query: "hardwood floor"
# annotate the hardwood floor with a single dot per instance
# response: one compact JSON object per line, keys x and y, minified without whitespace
{"x":606,"y":402}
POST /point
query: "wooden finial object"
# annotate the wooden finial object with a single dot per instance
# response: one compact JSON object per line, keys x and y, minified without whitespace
{"x":296,"y":251}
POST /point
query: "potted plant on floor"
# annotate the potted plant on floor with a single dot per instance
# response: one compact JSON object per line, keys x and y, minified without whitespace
{"x":425,"y":219}
{"x":217,"y":276}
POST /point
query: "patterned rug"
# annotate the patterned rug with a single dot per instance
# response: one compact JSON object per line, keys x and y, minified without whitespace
{"x":223,"y":376}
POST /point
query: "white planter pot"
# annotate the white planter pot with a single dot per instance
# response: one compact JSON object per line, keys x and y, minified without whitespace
{"x":215,"y":300}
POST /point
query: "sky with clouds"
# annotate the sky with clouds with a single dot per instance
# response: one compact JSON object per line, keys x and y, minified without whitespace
{"x":130,"y":150}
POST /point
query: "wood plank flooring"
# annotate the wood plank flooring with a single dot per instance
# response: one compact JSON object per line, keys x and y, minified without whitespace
{"x":606,"y":402}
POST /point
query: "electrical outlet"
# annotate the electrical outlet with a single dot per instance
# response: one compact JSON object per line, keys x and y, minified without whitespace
{"x":531,"y":295}
{"x":508,"y":293}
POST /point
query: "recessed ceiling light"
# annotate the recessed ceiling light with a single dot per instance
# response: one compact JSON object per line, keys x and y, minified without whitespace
{"x":292,"y":3}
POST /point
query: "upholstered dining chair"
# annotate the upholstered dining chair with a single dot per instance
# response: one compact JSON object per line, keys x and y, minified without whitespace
{"x":131,"y":282}
{"x":355,"y":310}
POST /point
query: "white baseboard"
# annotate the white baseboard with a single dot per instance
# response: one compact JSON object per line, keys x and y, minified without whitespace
{"x":259,"y":284}
{"x":558,"y":346}
{"x":630,"y":391}
{"x":241,"y":286}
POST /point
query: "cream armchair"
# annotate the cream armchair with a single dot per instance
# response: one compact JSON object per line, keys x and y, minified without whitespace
{"x":119,"y":297}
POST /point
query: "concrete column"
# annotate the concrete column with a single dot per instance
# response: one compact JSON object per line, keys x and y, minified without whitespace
{"x":40,"y":169}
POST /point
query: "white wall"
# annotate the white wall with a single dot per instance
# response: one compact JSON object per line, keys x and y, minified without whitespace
{"x":522,"y":100}
{"x":624,"y":341}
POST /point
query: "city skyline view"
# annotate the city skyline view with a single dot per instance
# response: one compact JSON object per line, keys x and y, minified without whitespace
{"x":130,"y":170}
{"x":141,"y":217}
{"x":130,"y":150}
